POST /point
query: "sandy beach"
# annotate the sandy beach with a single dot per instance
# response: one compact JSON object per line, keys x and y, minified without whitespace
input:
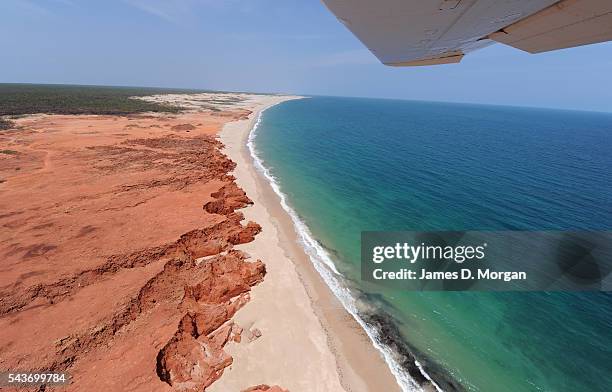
{"x":311,"y":343}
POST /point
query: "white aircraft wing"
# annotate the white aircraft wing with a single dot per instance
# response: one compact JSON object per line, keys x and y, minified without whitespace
{"x":425,"y":32}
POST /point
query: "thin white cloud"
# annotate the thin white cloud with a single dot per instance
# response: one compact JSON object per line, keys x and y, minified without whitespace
{"x":155,"y":8}
{"x":66,"y":2}
{"x":180,"y":11}
{"x":32,"y":7}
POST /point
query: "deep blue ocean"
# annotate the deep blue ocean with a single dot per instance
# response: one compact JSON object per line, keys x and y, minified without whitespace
{"x":348,"y":165}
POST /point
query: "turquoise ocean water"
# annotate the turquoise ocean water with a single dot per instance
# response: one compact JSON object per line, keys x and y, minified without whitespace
{"x":345,"y":165}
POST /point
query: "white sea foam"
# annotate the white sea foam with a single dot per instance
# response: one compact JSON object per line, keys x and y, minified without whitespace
{"x":325,"y":266}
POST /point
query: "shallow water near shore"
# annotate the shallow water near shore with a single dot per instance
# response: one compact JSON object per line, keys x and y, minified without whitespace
{"x":347,"y":165}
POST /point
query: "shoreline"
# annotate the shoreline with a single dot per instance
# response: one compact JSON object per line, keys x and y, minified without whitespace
{"x":344,"y":345}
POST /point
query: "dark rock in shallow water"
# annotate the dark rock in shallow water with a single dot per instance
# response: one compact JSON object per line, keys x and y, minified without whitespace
{"x":407,"y":355}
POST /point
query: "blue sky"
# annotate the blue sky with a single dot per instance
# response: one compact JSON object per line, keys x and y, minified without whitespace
{"x":294,"y":46}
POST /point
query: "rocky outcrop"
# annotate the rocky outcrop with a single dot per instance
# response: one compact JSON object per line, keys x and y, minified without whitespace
{"x":226,"y":200}
{"x":191,"y":361}
{"x":194,"y":357}
{"x":265,"y":388}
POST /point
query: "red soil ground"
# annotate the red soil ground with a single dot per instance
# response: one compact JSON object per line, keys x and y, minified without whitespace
{"x":116,"y":250}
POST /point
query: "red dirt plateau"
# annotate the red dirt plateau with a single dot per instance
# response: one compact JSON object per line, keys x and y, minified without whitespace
{"x":117,"y":250}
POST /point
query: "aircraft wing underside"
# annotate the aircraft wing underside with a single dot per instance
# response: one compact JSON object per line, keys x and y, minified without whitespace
{"x":424,"y":32}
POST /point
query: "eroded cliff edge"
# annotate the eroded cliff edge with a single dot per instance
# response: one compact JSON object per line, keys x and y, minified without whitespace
{"x":117,"y":249}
